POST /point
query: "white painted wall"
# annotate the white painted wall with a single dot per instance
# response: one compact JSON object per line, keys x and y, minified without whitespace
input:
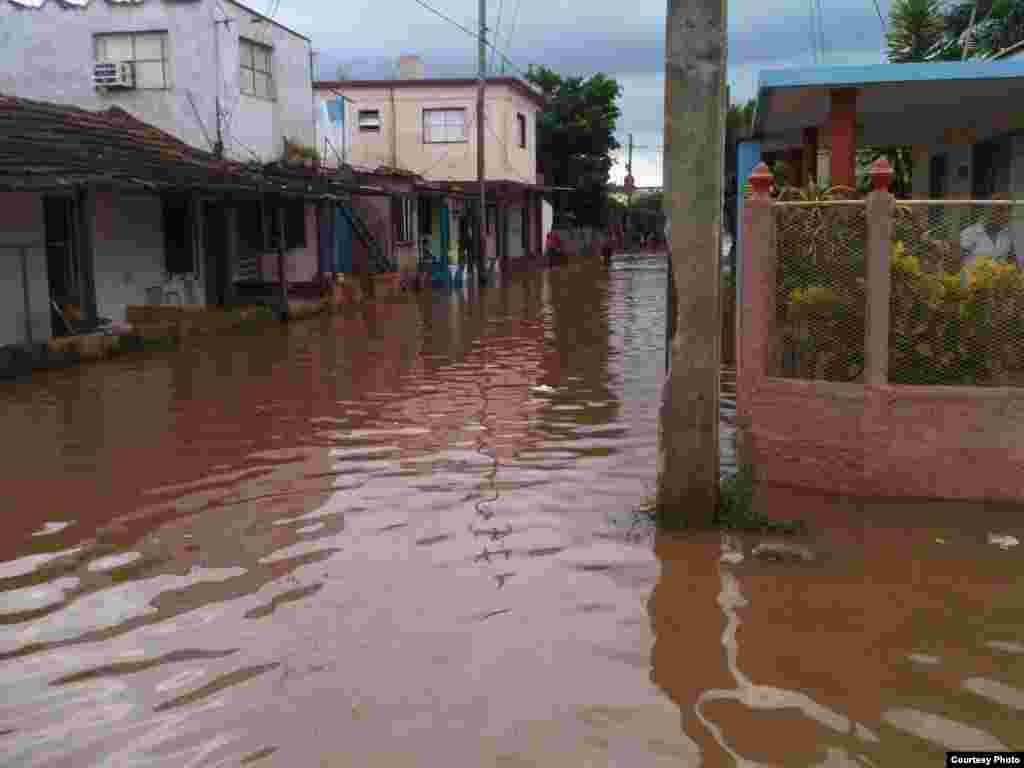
{"x":129,"y":255}
{"x":48,"y":53}
{"x":21,"y":221}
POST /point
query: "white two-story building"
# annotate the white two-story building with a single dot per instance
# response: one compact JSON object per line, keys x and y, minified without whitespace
{"x":169,"y":63}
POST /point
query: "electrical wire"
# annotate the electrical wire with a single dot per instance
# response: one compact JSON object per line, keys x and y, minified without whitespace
{"x":497,"y":28}
{"x":472,"y":34}
{"x":512,"y":31}
{"x":881,"y":18}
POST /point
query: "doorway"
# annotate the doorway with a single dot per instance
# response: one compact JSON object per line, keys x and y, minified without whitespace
{"x":63,"y":267}
{"x":216,"y":253}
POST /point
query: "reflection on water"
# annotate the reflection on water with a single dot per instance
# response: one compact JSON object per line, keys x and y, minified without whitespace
{"x":404,"y":536}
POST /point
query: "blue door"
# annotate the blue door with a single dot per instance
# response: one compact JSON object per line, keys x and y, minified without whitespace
{"x":343,"y":242}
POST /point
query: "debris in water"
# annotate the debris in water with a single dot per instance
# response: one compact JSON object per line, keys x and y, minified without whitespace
{"x":542,"y":388}
{"x":940,"y":541}
{"x":731,"y":558}
{"x":1002,"y":541}
{"x":782,"y":550}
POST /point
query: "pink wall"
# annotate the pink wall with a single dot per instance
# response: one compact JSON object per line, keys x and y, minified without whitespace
{"x":301,"y":264}
{"x":855,"y":438}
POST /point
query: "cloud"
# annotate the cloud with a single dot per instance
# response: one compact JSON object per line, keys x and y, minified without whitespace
{"x":627,"y":42}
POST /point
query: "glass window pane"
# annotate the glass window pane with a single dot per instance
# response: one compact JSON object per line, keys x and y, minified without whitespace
{"x":248,"y":86}
{"x":435,"y":118}
{"x":116,"y":48}
{"x":262,"y":85}
{"x":245,"y":50}
{"x":149,"y":47}
{"x":263,"y":60}
{"x":149,"y":74}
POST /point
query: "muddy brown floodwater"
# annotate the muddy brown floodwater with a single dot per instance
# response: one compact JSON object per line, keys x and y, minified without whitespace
{"x":405,"y":536}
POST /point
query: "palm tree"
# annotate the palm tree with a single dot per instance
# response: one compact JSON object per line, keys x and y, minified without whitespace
{"x":915,"y":28}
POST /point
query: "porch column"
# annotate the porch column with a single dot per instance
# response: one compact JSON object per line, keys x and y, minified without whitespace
{"x":810,"y":150}
{"x":755,"y":352}
{"x":842,"y":126}
{"x":879,"y":212}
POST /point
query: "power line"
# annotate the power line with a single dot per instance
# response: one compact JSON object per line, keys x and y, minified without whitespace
{"x":512,"y":30}
{"x":472,"y":34}
{"x":881,"y":18}
{"x":497,"y":27}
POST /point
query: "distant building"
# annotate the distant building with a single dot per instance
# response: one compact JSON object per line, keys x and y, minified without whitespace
{"x":428,"y":127}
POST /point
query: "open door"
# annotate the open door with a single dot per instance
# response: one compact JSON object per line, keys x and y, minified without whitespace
{"x":62,"y":266}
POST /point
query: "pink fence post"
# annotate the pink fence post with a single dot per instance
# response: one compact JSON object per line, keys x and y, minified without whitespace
{"x":760,"y":263}
{"x":880,"y":204}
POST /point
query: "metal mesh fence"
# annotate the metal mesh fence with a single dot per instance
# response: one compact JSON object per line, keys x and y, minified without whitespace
{"x":820,"y":290}
{"x":957,"y":300}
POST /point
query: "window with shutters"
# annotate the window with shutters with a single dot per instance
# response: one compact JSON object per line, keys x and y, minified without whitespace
{"x":369,"y":121}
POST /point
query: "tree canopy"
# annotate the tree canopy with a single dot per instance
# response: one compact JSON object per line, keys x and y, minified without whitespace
{"x":916,"y":28}
{"x":930,"y":30}
{"x":576,"y":136}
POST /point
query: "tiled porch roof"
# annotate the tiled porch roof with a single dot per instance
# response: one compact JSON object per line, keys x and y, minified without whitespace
{"x":50,"y":144}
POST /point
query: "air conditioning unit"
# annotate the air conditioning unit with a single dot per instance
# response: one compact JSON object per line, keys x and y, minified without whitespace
{"x":113,"y":74}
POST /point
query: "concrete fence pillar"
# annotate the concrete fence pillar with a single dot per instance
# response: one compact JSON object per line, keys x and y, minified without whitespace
{"x":880,"y":205}
{"x":759,"y":278}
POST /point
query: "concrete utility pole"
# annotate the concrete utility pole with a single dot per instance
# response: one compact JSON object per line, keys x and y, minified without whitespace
{"x":694,"y":129}
{"x":481,"y":224}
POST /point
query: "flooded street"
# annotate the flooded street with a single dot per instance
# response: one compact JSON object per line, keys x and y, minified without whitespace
{"x":406,"y":536}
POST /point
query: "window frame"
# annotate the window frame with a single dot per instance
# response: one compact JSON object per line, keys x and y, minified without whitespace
{"x":254,"y":47}
{"x":444,"y":111}
{"x":99,"y":41}
{"x":368,"y":127}
{"x":521,"y":124}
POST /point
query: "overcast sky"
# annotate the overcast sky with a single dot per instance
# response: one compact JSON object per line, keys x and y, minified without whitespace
{"x":623,"y":39}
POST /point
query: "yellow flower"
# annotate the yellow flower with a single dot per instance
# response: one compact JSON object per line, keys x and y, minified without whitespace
{"x":811,"y":296}
{"x":904,"y":263}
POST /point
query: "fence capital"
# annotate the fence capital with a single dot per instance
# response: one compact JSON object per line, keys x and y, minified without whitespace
{"x":761,"y":180}
{"x":881,"y":175}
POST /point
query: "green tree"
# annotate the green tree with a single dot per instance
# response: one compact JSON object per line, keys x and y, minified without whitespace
{"x":916,"y":28}
{"x":575,"y":138}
